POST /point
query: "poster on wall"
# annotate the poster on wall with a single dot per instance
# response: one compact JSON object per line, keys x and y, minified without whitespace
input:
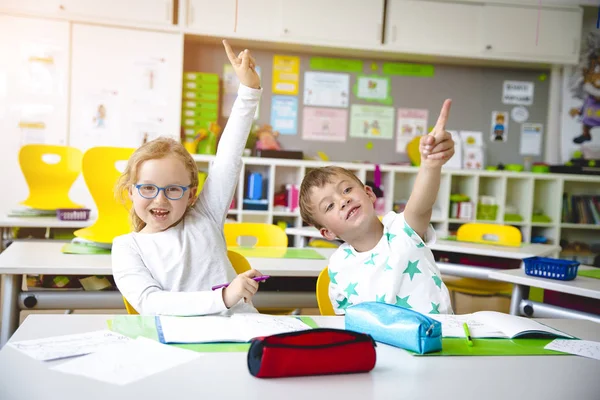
{"x":580,"y":125}
{"x":374,"y":88}
{"x":531,"y":139}
{"x":286,"y":74}
{"x":411,"y":122}
{"x":499,"y":126}
{"x":326,"y":89}
{"x":324,"y":124}
{"x":371,"y":122}
{"x":517,"y":92}
{"x":284,"y":114}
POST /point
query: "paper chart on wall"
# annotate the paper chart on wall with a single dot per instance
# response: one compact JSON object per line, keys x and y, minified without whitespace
{"x":411,"y":122}
{"x":34,"y":122}
{"x":325,"y":124}
{"x":148,"y":79}
{"x":371,"y":122}
{"x":531,"y":139}
{"x":284,"y":114}
{"x":326,"y":89}
{"x":39,"y":74}
{"x":286,"y":74}
{"x":98,"y":120}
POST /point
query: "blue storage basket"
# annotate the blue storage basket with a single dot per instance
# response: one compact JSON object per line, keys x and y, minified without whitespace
{"x":553,"y":268}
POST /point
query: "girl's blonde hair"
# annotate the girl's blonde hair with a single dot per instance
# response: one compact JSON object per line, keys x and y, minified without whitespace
{"x":161,"y":147}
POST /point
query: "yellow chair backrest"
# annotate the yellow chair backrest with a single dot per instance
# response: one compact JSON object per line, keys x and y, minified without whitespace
{"x":49,"y":183}
{"x":267,"y":235}
{"x":325,"y":307}
{"x":503,"y":235}
{"x":239,"y":263}
{"x":101,"y":174}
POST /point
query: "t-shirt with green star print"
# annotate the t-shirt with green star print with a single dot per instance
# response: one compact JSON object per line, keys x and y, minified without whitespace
{"x":400,"y":270}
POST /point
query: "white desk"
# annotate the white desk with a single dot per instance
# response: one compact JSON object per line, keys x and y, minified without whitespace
{"x":520,"y":305}
{"x":6,"y":223}
{"x":45,"y":257}
{"x":397,"y":374}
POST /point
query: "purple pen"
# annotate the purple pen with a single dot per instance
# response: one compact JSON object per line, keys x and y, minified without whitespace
{"x":261,"y":278}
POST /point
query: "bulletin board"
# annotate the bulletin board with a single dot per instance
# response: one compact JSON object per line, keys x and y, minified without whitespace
{"x":477,"y":92}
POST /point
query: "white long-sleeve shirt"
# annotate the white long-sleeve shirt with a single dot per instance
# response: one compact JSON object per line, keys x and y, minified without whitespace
{"x":172,"y":272}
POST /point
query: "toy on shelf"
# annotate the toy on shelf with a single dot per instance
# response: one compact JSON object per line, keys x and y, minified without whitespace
{"x":266,"y":138}
{"x":487,"y":208}
{"x":461,"y":207}
{"x":286,"y":199}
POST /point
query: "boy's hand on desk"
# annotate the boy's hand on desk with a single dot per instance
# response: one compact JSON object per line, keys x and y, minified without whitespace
{"x":437,"y":147}
{"x":244,"y":66}
{"x":242,"y":287}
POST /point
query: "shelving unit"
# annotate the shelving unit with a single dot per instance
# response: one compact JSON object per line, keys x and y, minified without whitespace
{"x":525,"y":192}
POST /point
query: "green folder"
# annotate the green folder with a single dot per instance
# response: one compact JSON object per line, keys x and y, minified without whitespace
{"x":80,"y":248}
{"x":592,"y":273}
{"x":278,"y":252}
{"x":145,"y":326}
{"x":493,"y":347}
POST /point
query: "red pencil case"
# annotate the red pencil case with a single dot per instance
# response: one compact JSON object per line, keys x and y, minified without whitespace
{"x":311,"y":352}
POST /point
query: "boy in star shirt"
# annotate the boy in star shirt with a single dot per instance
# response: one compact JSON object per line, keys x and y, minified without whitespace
{"x":384,"y":260}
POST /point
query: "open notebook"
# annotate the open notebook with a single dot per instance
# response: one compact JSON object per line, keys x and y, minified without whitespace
{"x":221,"y":329}
{"x":492,"y":324}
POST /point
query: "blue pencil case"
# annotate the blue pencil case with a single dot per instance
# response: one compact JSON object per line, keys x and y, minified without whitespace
{"x":396,"y":326}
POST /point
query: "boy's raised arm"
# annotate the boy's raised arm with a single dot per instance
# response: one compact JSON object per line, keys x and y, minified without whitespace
{"x":436,"y":148}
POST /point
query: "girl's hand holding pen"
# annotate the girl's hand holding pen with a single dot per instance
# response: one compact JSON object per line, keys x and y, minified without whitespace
{"x":242,"y":287}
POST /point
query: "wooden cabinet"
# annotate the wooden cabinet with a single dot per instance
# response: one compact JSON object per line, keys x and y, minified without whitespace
{"x":434,"y":27}
{"x":512,"y":32}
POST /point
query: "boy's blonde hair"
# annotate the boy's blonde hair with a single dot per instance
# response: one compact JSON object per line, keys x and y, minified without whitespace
{"x":161,"y":147}
{"x":318,"y":178}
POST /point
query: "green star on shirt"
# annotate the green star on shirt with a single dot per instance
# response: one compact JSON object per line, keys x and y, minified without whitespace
{"x":350,"y":289}
{"x":348,"y":253}
{"x":434,"y":308}
{"x":412,"y":269}
{"x":438,"y":281}
{"x":332,"y":277}
{"x":409,"y":231}
{"x":372,"y":260}
{"x":343,"y":304}
{"x":380,"y":299}
{"x":421,"y":244}
{"x":387,"y":266}
{"x":403,"y":302}
{"x":389,"y":236}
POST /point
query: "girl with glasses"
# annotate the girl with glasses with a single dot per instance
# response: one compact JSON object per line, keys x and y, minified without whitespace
{"x":177,"y":250}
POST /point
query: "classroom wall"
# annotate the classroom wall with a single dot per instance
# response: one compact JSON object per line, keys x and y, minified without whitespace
{"x":476,"y":92}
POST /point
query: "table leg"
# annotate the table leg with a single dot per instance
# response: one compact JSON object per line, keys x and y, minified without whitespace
{"x":519,"y":293}
{"x":11,"y":285}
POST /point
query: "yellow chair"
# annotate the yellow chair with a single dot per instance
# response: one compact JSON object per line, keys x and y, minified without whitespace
{"x":101,"y":174}
{"x":325,"y":307}
{"x":238,"y":262}
{"x":501,"y":235}
{"x":266,"y":235}
{"x":49,"y":183}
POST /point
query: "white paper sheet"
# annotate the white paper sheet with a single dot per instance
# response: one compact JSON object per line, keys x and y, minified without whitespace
{"x":56,"y":347}
{"x":237,"y":328}
{"x":128,"y":362}
{"x":584,"y":348}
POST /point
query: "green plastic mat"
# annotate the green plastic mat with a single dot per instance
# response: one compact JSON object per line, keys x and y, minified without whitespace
{"x":80,"y":248}
{"x":278,"y":252}
{"x":592,"y":273}
{"x":145,"y":326}
{"x":494,"y":347}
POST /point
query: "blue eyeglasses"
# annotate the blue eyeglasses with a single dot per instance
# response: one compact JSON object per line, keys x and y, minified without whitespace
{"x":150,"y":191}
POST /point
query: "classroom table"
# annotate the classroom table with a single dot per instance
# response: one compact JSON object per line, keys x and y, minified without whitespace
{"x":30,"y":258}
{"x":7,"y":223}
{"x":520,"y":304}
{"x":397,"y":374}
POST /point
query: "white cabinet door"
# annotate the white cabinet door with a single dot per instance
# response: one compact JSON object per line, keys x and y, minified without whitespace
{"x":434,"y":27}
{"x":512,"y":31}
{"x":34,"y":71}
{"x":330,"y":22}
{"x":125,"y":86}
{"x":159,"y":12}
{"x":254,"y":19}
{"x":41,"y":7}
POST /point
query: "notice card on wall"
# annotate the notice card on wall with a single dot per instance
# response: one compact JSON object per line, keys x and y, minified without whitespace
{"x":284,"y":114}
{"x":515,"y":92}
{"x":325,"y":124}
{"x":286,"y":71}
{"x":371,"y":122}
{"x":531,"y":139}
{"x":411,"y":122}
{"x":326,"y":89}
